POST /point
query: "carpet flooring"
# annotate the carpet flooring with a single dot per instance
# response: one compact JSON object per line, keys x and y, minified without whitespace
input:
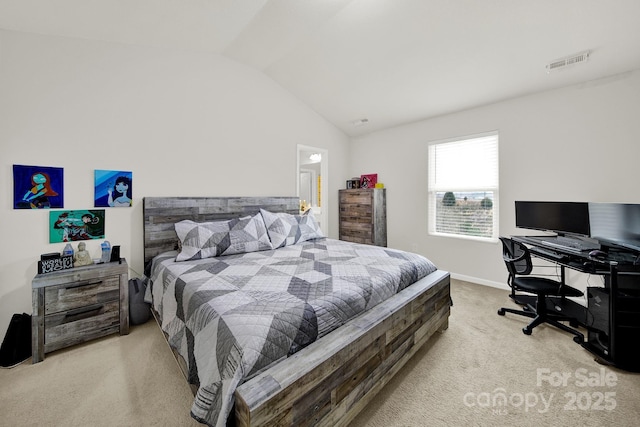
{"x":482,"y":371}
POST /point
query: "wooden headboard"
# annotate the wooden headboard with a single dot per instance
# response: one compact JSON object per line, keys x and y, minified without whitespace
{"x":161,"y":213}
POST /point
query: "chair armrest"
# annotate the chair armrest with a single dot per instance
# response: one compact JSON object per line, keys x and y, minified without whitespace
{"x":508,"y":259}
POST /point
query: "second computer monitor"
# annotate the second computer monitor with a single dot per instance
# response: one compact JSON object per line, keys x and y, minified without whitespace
{"x":616,"y":223}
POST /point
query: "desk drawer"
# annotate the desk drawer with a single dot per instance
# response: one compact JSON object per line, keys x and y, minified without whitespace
{"x":81,"y":324}
{"x":81,"y":294}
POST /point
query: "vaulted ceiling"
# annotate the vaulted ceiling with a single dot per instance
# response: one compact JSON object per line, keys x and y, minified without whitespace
{"x":387,"y":61}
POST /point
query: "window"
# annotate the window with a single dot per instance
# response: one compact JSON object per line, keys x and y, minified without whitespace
{"x":463,"y":187}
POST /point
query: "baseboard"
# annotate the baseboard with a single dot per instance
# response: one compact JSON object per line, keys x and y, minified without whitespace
{"x":479,"y":281}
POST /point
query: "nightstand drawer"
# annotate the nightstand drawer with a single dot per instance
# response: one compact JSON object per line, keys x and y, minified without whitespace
{"x":80,"y":294}
{"x":81,"y":324}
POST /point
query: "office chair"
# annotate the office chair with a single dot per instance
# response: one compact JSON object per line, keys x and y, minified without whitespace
{"x":518,"y":261}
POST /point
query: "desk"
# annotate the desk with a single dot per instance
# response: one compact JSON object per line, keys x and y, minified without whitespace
{"x":612,"y":315}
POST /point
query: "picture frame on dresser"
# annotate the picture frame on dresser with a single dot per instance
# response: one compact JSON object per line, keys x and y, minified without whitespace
{"x":368,"y":180}
{"x":353,"y":183}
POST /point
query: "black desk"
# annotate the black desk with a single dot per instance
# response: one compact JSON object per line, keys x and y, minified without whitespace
{"x":612,"y":315}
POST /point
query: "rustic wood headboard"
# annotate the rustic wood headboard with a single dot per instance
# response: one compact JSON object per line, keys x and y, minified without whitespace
{"x":161,"y":213}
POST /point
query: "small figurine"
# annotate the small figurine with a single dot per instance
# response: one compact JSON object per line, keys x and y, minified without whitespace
{"x":82,"y":257}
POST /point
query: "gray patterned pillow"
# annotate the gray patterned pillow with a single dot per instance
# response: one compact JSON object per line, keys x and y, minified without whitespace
{"x":199,"y":240}
{"x":286,"y":229}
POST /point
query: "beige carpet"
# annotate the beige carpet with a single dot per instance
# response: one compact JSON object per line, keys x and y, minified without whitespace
{"x":133,"y":380}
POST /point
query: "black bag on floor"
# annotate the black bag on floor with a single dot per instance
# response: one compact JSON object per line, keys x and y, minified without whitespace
{"x":16,"y":346}
{"x":139,"y":311}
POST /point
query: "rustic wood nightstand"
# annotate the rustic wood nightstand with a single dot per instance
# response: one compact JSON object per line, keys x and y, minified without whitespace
{"x":77,"y":305}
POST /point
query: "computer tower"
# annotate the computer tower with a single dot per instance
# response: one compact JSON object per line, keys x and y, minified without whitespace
{"x":597,"y":319}
{"x":615,"y":333}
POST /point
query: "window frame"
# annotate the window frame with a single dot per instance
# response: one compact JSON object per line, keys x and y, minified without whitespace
{"x":433,"y":188}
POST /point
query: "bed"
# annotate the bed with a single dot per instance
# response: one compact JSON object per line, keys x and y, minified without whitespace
{"x":320,"y":356}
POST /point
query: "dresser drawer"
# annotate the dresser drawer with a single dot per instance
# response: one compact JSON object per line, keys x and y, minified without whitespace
{"x":356,"y":228}
{"x":81,"y":324}
{"x":80,"y":294}
{"x":354,"y":238}
{"x":356,"y":197}
{"x":355,"y":216}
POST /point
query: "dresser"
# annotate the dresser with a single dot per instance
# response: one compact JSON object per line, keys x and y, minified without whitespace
{"x":363,"y":216}
{"x":77,"y":305}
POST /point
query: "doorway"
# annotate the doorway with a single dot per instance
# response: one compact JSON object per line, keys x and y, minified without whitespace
{"x":311,"y":183}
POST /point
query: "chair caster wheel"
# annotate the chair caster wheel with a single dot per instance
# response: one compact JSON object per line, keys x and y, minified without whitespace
{"x":526,"y":331}
{"x":501,"y":312}
{"x":578,"y":340}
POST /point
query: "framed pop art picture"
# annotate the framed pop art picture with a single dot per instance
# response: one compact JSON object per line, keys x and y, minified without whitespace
{"x":369,"y":180}
{"x":38,"y":187}
{"x":71,"y":226}
{"x":113,"y":189}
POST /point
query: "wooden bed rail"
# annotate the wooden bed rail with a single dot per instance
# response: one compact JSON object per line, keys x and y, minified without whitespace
{"x":329,"y":382}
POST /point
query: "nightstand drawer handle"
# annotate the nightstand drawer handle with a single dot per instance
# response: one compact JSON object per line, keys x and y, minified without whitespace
{"x":79,"y":284}
{"x":83,"y":310}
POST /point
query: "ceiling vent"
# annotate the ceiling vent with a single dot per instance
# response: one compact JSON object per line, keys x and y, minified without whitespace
{"x":360,"y":122}
{"x":559,"y":64}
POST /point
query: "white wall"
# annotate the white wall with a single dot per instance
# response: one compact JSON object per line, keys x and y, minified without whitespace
{"x":190,"y":123}
{"x":185,"y":123}
{"x":580,"y":143}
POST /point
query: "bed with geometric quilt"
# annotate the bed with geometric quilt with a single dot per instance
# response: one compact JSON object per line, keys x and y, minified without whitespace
{"x":275,"y":324}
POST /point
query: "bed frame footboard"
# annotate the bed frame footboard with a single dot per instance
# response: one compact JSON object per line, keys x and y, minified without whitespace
{"x":329,"y":382}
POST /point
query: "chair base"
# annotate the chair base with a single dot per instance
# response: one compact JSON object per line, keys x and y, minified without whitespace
{"x":540,"y":315}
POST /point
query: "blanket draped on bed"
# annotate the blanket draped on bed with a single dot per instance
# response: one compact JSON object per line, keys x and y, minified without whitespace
{"x":231,"y":317}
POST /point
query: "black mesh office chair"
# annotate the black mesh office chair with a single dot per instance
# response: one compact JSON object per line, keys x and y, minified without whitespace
{"x":518,"y":260}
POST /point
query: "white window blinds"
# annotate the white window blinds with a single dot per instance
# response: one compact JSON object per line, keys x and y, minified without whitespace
{"x":463,"y":187}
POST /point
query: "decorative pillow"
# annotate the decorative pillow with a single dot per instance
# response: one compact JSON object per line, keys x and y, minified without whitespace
{"x":199,"y":240}
{"x":286,"y":229}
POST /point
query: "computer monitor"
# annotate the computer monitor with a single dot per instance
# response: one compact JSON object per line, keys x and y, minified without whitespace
{"x":559,"y":217}
{"x":616,"y":223}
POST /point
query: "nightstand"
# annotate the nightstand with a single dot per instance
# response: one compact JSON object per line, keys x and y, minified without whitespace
{"x":77,"y":305}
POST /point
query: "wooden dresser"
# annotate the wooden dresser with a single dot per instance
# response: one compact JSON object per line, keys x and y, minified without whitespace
{"x":77,"y":305}
{"x":363,"y":216}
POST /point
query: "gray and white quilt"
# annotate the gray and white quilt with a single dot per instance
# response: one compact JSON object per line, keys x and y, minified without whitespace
{"x":230,"y":317}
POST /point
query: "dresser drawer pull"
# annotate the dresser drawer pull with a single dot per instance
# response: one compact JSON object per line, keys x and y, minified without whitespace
{"x":84,"y":310}
{"x":79,"y":284}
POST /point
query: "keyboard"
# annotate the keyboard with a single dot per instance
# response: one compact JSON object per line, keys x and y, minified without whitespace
{"x":569,"y":244}
{"x":550,"y":254}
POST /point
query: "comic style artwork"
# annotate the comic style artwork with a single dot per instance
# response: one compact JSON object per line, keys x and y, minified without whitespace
{"x":368,"y":180}
{"x":113,"y":189}
{"x":37,"y":187}
{"x":71,"y":226}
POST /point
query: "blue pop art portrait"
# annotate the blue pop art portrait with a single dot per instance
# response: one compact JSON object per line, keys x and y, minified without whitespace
{"x":38,"y":187}
{"x":113,"y":189}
